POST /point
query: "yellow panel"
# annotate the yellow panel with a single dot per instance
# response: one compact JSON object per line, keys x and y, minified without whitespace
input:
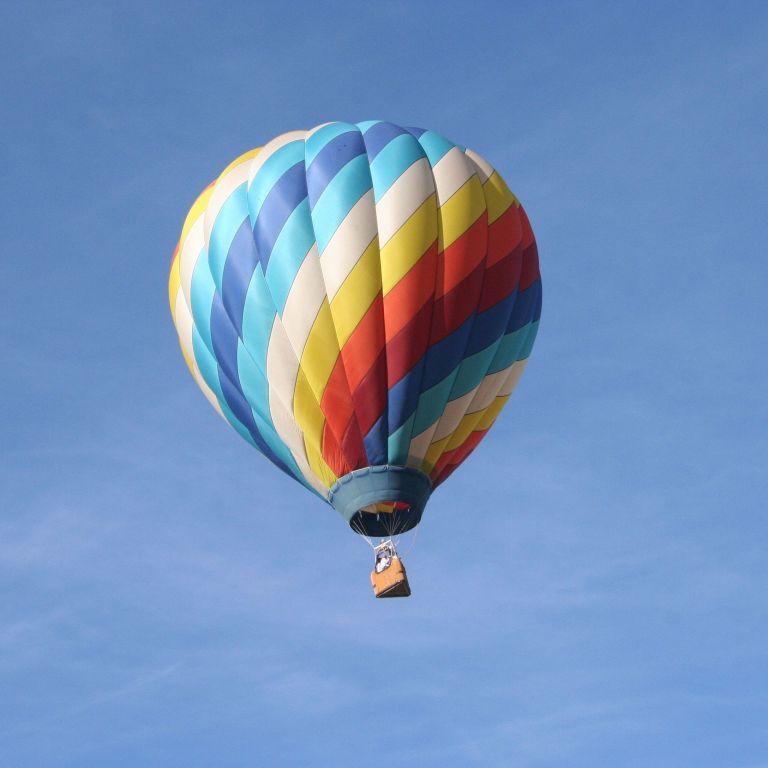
{"x":478,"y":421}
{"x":434,"y":452}
{"x":320,"y":352}
{"x":357,"y":293}
{"x":174,"y":283}
{"x":461,"y":211}
{"x":408,"y":244}
{"x":245,"y":157}
{"x":195,"y":212}
{"x":491,"y":412}
{"x":498,"y":196}
{"x":311,"y":420}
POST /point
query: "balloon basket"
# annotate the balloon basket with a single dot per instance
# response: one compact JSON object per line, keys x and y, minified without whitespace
{"x":388,"y":578}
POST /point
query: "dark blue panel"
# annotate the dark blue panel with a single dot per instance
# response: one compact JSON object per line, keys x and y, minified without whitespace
{"x":490,"y":325}
{"x":238,"y":270}
{"x":404,"y":397}
{"x":527,"y":307}
{"x":444,"y":356}
{"x":330,"y":160}
{"x":289,"y":190}
{"x":376,"y":442}
{"x":378,"y":136}
{"x":416,"y":132}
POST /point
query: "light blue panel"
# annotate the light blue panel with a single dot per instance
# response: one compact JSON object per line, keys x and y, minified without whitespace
{"x":338,"y":198}
{"x":392,"y":161}
{"x":435,"y":146}
{"x":228,"y":221}
{"x":258,"y":317}
{"x":269,"y":174}
{"x":202,"y":291}
{"x":366,"y":124}
{"x":290,"y":249}
{"x":315,"y":143}
{"x":256,"y":391}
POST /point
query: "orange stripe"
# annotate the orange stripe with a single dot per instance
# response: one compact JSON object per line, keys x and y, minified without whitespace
{"x":364,"y":345}
{"x":405,"y":300}
{"x":504,"y":235}
{"x":462,"y":256}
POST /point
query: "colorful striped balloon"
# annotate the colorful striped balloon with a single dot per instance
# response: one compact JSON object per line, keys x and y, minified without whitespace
{"x":358,"y":301}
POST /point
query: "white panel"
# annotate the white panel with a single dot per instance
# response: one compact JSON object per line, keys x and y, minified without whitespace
{"x":348,"y":243}
{"x":303,"y":303}
{"x":451,"y":173}
{"x":400,"y":201}
{"x":483,"y":168}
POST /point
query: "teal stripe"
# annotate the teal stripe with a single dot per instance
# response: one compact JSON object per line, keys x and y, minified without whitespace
{"x":401,"y":153}
{"x":315,"y":143}
{"x":202,"y":291}
{"x":338,"y":198}
{"x":525,"y":352}
{"x":472,"y":371}
{"x":435,"y":146}
{"x":512,"y":346}
{"x":269,"y":174}
{"x":399,"y":441}
{"x":432,"y":403}
{"x":228,"y":221}
{"x":291,"y":247}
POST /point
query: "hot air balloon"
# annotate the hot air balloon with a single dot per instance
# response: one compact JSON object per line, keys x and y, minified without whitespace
{"x":358,"y":301}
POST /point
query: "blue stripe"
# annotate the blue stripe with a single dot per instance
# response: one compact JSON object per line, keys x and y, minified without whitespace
{"x":415,"y":132}
{"x":375,"y":442}
{"x":331,"y":159}
{"x":404,"y":396}
{"x":239,"y":266}
{"x":490,"y":324}
{"x":444,"y":356}
{"x":379,"y":135}
{"x":527,"y":307}
{"x":280,"y":203}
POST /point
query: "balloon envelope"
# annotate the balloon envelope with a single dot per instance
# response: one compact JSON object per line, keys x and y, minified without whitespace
{"x":358,"y":301}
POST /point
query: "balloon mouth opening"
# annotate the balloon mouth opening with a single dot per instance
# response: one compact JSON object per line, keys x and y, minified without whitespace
{"x":387,"y":523}
{"x":381,"y":501}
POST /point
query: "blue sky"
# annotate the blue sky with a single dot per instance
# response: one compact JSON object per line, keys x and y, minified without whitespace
{"x":590,"y":589}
